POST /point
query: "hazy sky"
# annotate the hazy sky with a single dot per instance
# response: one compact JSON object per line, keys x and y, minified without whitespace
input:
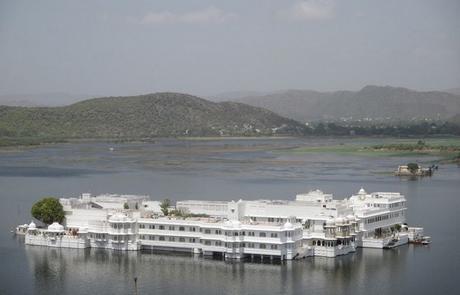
{"x":206,"y":47}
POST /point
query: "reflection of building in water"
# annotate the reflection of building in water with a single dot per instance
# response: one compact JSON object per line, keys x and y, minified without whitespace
{"x":314,"y":224}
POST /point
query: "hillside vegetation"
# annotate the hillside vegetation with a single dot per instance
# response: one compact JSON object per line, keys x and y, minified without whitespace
{"x":144,"y":116}
{"x":374,"y":102}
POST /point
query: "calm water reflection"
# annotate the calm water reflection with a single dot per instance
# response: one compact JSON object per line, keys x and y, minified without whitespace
{"x":221,"y":170}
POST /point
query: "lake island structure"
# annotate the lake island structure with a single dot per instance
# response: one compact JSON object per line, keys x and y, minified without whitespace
{"x":313,"y":224}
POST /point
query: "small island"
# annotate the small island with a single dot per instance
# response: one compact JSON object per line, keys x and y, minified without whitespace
{"x":414,"y":169}
{"x":313,"y":224}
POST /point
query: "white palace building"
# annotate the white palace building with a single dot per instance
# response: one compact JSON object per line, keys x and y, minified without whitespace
{"x":314,"y":224}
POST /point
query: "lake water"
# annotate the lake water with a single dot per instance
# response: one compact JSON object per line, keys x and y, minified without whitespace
{"x":223,"y":170}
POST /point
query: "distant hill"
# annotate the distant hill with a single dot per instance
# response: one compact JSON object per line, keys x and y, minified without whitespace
{"x":455,"y":120}
{"x":152,"y":115}
{"x":455,"y":91}
{"x":377,"y":102}
{"x":235,"y":95}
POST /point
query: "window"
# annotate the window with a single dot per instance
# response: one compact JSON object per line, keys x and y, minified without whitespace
{"x":218,"y":232}
{"x":141,"y":225}
{"x":182,"y":240}
{"x":218,"y":243}
{"x":151,"y":238}
{"x":262,"y":246}
{"x":274,"y":247}
{"x":192,"y":229}
{"x":181,"y":228}
{"x":263,"y":235}
{"x":162,"y":227}
{"x":192,"y":240}
{"x":152,"y":226}
{"x":274,"y":235}
{"x":235,"y":234}
{"x":161,"y":238}
{"x":207,"y":242}
{"x":207,"y":231}
{"x":171,"y":227}
{"x":172,"y":239}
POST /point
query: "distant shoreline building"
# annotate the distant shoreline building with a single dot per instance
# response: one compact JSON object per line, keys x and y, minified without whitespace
{"x":404,"y":170}
{"x":314,"y":224}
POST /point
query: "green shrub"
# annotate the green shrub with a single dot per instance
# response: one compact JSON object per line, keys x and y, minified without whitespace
{"x":48,"y":210}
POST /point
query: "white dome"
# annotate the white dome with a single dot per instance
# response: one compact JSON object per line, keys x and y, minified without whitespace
{"x":288,"y":225}
{"x":362,"y":191}
{"x":351,"y":217}
{"x":32,"y":226}
{"x":56,"y":227}
{"x":339,"y":220}
{"x":330,"y":221}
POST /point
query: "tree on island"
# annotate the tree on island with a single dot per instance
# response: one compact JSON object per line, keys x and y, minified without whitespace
{"x":48,"y":210}
{"x":413,"y":167}
{"x":165,"y":206}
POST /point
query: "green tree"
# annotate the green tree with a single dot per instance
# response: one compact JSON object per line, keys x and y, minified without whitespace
{"x":413,"y":167}
{"x":165,"y":206}
{"x":125,"y":206}
{"x":48,"y":210}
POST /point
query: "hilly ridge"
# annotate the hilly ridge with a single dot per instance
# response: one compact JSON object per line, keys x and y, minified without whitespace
{"x":376,"y":102}
{"x":151,"y":115}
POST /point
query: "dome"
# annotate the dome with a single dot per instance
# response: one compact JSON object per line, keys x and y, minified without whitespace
{"x":288,"y":225}
{"x":339,"y":220}
{"x":32,"y":226}
{"x":55,"y":227}
{"x":330,"y":221}
{"x":351,"y":217}
{"x":362,"y":192}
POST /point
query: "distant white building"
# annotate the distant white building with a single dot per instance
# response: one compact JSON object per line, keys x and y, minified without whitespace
{"x":314,"y":224}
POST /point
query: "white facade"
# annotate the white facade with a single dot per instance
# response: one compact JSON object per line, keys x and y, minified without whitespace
{"x":314,"y":224}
